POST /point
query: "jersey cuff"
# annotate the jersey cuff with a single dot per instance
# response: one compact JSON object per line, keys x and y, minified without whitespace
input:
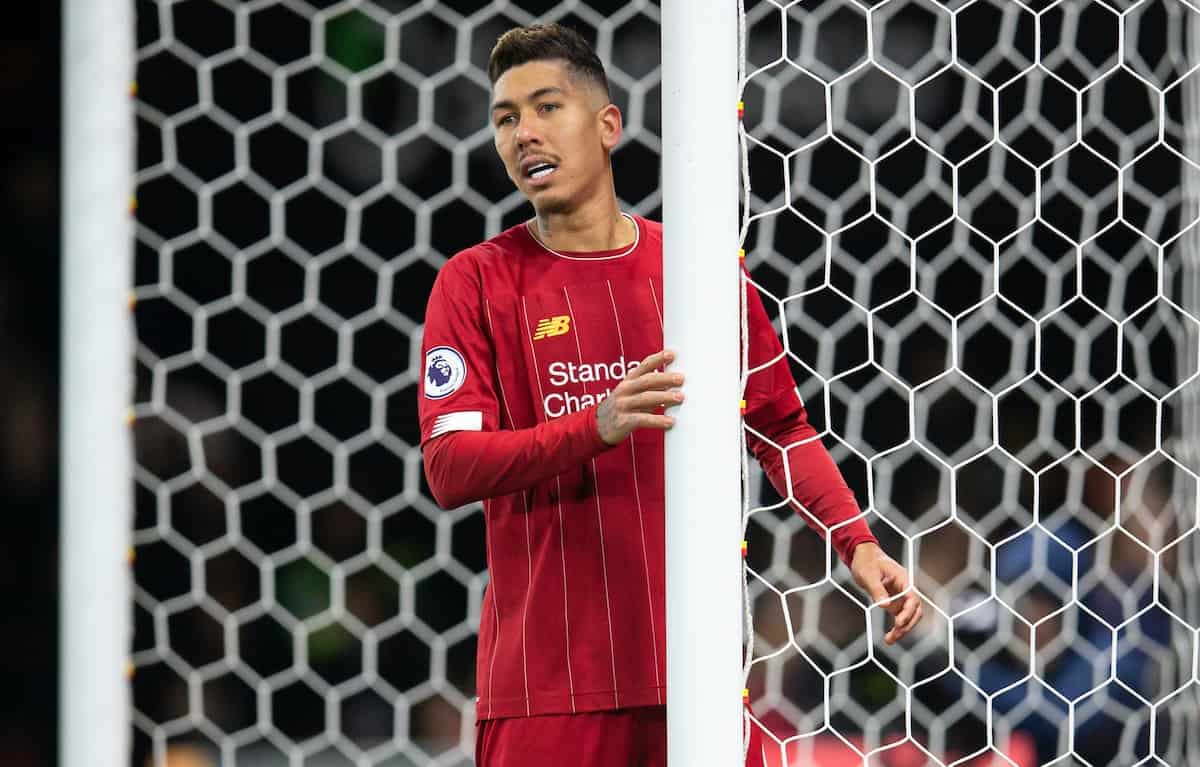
{"x":467,"y":420}
{"x":594,"y":429}
{"x":846,"y":554}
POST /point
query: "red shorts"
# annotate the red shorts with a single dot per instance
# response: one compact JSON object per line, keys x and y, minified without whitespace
{"x":627,"y":737}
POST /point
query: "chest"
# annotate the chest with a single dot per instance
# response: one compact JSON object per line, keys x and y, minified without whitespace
{"x":562,"y":345}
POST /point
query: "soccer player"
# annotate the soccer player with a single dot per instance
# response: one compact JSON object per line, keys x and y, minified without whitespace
{"x":544,"y":395}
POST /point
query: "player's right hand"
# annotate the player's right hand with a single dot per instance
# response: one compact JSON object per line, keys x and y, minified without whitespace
{"x":635,"y":401}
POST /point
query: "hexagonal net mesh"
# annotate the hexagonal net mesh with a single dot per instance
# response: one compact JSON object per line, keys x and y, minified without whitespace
{"x":972,"y":223}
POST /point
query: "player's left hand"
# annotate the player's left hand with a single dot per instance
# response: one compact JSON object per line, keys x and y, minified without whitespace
{"x":883,"y":578}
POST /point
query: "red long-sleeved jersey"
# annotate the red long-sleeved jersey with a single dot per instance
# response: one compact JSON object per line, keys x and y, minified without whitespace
{"x":521,"y":344}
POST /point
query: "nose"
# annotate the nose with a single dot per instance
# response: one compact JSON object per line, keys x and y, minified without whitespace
{"x":526,"y":134}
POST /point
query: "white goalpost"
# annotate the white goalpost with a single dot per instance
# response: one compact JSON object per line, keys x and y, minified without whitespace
{"x":701,"y":280}
{"x":96,"y":459}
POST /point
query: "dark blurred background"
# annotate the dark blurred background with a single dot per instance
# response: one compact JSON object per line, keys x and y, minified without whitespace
{"x":29,"y":347}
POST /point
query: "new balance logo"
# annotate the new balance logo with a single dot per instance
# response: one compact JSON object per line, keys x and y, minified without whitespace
{"x":552,"y":326}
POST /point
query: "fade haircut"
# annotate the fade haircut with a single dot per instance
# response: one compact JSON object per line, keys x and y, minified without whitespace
{"x":547,"y":42}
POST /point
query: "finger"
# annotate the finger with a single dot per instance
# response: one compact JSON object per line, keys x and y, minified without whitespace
{"x":651,"y":381}
{"x":648,"y":401}
{"x":896,"y":580}
{"x":890,"y":601}
{"x":897,"y":633}
{"x":896,"y":576}
{"x":911,"y":606}
{"x":652,"y":421}
{"x":901,"y":624}
{"x":654,"y":361}
{"x":902,"y":627}
{"x":876,"y":590}
{"x":916,"y":617}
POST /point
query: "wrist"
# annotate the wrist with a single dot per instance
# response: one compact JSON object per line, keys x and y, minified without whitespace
{"x":594,"y":426}
{"x":871,"y":547}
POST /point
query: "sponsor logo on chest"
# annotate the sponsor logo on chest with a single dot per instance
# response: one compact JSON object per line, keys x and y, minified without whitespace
{"x":552,"y":326}
{"x":568,"y":377}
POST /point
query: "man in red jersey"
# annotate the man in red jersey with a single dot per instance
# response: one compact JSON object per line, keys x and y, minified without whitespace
{"x":543,"y":395}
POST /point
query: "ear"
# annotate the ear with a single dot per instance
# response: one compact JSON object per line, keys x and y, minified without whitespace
{"x":611,"y":126}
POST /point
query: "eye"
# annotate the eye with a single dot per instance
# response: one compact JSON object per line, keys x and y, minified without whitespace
{"x":548,"y":107}
{"x":506,"y":119}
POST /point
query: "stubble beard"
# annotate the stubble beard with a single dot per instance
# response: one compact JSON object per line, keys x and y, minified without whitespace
{"x":552,"y":205}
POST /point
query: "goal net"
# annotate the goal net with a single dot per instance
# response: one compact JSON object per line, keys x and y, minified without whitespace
{"x":975,"y":225}
{"x":972,"y":224}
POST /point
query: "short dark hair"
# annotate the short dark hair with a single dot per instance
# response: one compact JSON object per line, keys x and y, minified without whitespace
{"x":546,"y":42}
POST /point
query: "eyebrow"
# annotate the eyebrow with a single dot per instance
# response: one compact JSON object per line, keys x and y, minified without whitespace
{"x":506,"y":104}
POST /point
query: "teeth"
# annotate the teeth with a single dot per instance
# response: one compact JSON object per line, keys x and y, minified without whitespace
{"x":541,"y":171}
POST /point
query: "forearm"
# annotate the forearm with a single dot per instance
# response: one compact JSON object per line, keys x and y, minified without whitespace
{"x":466,"y":466}
{"x":816,"y":483}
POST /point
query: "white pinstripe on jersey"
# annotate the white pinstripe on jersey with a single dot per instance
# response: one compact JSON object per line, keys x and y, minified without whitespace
{"x":637,"y":496}
{"x":657,"y":308}
{"x":487,"y":307}
{"x":612,"y":648}
{"x":562,"y":546}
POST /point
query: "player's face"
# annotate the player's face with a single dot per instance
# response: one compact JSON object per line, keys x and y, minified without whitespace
{"x":554,"y":134}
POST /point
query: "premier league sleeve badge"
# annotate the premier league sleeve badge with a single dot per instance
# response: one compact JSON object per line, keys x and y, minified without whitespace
{"x":445,"y":372}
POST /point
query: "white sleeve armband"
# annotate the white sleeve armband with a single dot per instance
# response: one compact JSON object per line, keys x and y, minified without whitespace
{"x":469,"y":420}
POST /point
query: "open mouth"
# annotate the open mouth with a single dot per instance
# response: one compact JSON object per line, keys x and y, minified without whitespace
{"x":540,"y":171}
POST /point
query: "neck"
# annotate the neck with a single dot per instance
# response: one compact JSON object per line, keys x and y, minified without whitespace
{"x":592,"y":227}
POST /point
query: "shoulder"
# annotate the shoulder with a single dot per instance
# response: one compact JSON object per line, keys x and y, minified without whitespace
{"x":651,"y":230}
{"x":467,"y":271}
{"x":489,"y":255}
{"x":460,"y":274}
{"x":652,"y":227}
